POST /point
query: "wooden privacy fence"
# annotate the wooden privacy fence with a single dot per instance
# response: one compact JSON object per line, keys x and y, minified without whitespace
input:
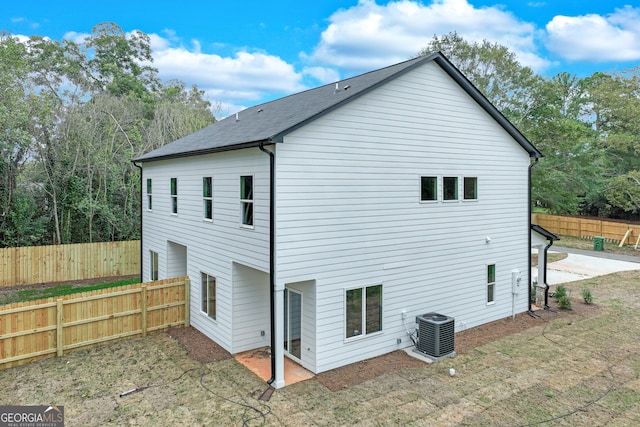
{"x":583,"y":227}
{"x":51,"y":327}
{"x":61,"y":263}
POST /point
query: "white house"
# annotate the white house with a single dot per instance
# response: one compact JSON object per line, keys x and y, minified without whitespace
{"x":323,"y":222}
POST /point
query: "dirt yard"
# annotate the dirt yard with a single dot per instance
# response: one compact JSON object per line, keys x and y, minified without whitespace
{"x":567,"y":368}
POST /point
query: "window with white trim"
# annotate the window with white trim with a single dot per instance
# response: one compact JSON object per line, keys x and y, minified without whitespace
{"x":428,"y":188}
{"x":363,"y":311}
{"x":149,"y":196}
{"x":207,"y":197}
{"x":174,"y":195}
{"x":450,"y":188}
{"x":491,"y":283}
{"x":208,"y":284}
{"x":153,"y":265}
{"x":470,"y":190}
{"x":246,"y":200}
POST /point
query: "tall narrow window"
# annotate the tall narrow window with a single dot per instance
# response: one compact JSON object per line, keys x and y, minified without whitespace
{"x":363,"y":311}
{"x":153,"y":265}
{"x":450,"y":188}
{"x":174,"y":195}
{"x":208,"y":295}
{"x":149,"y":201}
{"x":491,"y":283}
{"x":428,"y":188}
{"x":470,"y":188}
{"x":246,"y":199}
{"x":207,"y":196}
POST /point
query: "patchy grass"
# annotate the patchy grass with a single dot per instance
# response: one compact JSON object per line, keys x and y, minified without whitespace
{"x":579,"y":369}
{"x":587,"y":244}
{"x":31,"y":293}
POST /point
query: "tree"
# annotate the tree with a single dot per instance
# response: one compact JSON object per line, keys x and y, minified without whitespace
{"x":493,"y":69}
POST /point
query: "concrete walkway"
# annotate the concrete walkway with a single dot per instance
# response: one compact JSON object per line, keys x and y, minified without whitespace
{"x":582,"y":264}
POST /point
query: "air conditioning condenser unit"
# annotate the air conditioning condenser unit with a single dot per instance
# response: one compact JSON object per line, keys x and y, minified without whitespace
{"x":436,"y":336}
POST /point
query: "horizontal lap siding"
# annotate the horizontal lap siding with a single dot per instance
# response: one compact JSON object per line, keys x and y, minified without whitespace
{"x":349,"y":214}
{"x":211,"y":246}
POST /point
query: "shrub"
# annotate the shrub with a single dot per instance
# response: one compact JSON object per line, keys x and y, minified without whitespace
{"x":564,"y":302}
{"x":561,"y":291}
{"x":586,"y":296}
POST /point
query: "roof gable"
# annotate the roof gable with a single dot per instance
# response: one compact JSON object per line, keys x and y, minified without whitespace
{"x":269,"y":122}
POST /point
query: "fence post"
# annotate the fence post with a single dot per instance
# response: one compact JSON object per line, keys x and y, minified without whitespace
{"x":59,"y":324}
{"x":187,"y":302}
{"x":143,"y":308}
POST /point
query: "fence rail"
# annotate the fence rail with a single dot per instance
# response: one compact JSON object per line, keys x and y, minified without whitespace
{"x":60,"y":263}
{"x":50,"y":327}
{"x":583,"y":227}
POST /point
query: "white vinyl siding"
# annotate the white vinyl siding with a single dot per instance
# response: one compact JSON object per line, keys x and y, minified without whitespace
{"x":215,"y":248}
{"x":347,"y":211}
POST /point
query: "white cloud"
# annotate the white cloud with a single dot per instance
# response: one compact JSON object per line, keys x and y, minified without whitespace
{"x":244,"y":77}
{"x":614,"y":37}
{"x":322,"y":74}
{"x":368,"y":36}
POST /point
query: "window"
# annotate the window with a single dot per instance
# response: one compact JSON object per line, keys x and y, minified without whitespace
{"x":209,"y":295}
{"x":246,"y":199}
{"x":450,"y":188}
{"x":207,"y":196}
{"x":149,"y":204}
{"x":363,"y":311}
{"x":428,"y":188}
{"x":491,"y":283}
{"x":153,"y":266}
{"x":174,"y":195}
{"x":470,"y":188}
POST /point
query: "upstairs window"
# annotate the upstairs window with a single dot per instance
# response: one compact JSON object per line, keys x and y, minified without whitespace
{"x":450,"y":188}
{"x":470,"y":188}
{"x":149,"y":201}
{"x":207,"y":196}
{"x":174,"y":195}
{"x":428,"y":188}
{"x":491,"y":283}
{"x":246,"y":200}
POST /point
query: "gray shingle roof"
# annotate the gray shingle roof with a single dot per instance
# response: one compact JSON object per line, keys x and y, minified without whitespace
{"x":269,"y":122}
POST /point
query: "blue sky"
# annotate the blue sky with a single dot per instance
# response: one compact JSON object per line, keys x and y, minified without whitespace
{"x":246,"y":52}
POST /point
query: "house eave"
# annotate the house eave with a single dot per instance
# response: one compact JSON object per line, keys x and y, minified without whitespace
{"x":251,"y":144}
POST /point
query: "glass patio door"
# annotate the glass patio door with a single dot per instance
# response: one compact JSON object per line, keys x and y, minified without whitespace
{"x":293,"y":323}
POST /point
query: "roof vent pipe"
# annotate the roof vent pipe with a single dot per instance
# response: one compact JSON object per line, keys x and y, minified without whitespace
{"x":237,"y":117}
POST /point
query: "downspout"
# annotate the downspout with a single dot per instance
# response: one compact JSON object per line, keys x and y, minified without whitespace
{"x":529,"y":232}
{"x":141,"y":203}
{"x":544,"y":275}
{"x":272,"y":264}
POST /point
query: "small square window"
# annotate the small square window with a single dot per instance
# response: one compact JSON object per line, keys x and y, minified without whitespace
{"x":470,"y":188}
{"x":428,"y":188}
{"x":450,"y":188}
